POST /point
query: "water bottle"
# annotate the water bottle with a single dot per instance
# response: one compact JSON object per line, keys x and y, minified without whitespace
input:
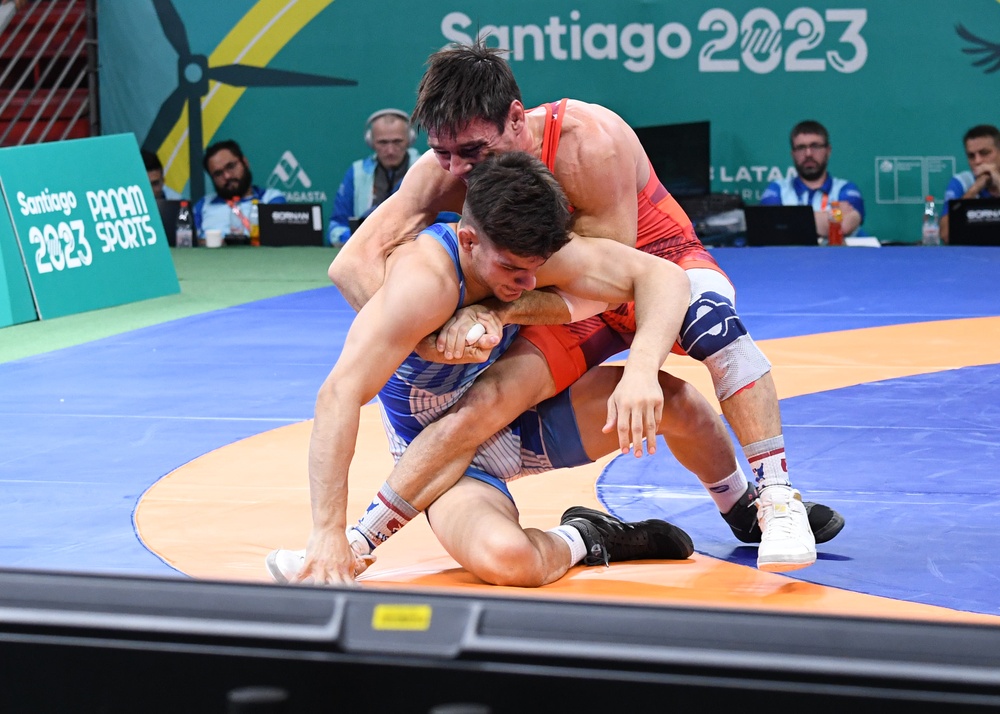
{"x":185,"y":227}
{"x":836,"y":224}
{"x":932,"y":231}
{"x":254,"y":223}
{"x":237,"y":231}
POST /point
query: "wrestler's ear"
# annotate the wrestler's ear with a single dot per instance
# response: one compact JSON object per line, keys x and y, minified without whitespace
{"x":467,"y":237}
{"x":515,"y":116}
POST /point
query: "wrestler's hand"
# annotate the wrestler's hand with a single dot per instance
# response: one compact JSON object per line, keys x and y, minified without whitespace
{"x":635,"y":408}
{"x":428,"y":350}
{"x":452,"y":338}
{"x":330,"y":560}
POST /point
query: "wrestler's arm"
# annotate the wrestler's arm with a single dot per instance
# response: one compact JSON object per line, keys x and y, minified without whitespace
{"x":359,"y":267}
{"x":597,"y":168}
{"x":420,"y":291}
{"x":605,"y":270}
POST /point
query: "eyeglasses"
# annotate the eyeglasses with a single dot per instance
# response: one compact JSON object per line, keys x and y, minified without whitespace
{"x":803,"y":148}
{"x":227,"y":169}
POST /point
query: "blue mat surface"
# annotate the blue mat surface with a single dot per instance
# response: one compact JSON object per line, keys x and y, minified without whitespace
{"x":88,"y":429}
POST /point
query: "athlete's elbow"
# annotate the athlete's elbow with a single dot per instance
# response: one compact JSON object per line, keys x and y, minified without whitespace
{"x":340,"y":269}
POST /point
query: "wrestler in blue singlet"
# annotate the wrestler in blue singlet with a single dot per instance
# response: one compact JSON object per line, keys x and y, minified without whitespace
{"x":419,"y":392}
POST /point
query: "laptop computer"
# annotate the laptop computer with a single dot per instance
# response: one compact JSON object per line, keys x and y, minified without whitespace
{"x":168,"y":214}
{"x":780,"y":225}
{"x":974,"y":221}
{"x":284,"y":224}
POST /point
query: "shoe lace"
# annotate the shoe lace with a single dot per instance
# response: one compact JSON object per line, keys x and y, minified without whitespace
{"x":775,"y":525}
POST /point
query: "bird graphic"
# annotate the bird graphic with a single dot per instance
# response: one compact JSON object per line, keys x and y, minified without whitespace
{"x":989,"y":51}
{"x":193,"y":75}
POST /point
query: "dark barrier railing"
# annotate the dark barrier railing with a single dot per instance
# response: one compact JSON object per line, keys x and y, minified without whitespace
{"x":47,"y":71}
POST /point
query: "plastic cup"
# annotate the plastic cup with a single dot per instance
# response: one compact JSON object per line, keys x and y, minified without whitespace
{"x":213,"y":239}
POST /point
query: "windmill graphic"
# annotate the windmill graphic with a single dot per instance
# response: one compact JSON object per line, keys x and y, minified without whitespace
{"x":989,"y":52}
{"x":193,"y":75}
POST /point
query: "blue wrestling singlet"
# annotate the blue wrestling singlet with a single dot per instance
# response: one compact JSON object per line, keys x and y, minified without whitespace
{"x":419,"y":392}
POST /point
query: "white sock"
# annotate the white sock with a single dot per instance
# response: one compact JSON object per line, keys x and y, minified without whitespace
{"x":573,"y":538}
{"x":767,"y":461}
{"x":729,"y":490}
{"x":386,"y":514}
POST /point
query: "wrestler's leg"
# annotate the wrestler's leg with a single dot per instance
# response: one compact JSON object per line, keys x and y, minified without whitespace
{"x":714,"y":334}
{"x":541,"y":359}
{"x":478,"y":526}
{"x":442,"y":452}
{"x":693,"y":431}
{"x":437,"y":458}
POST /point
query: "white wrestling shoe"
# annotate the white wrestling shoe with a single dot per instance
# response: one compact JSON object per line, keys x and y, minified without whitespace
{"x":285,"y":565}
{"x":787,"y":541}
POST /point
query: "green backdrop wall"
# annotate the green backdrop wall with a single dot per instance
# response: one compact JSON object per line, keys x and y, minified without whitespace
{"x":897,"y":82}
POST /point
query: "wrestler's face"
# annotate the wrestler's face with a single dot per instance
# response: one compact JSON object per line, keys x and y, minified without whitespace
{"x":458,"y":152}
{"x":505,"y":274}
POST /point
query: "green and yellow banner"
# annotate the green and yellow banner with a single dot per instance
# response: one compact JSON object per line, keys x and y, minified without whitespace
{"x":897,"y":82}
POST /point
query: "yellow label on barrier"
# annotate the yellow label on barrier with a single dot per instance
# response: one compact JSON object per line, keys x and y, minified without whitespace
{"x":402,"y":617}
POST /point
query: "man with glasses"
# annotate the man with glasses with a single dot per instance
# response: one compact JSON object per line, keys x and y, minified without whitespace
{"x":813,"y":185}
{"x":235,"y":192}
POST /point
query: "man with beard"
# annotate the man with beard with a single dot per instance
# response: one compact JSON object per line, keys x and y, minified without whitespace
{"x":235,"y":193}
{"x":814,"y":186}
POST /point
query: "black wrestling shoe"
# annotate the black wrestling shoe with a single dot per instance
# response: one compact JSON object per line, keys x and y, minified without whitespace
{"x":610,"y":539}
{"x":825,"y":522}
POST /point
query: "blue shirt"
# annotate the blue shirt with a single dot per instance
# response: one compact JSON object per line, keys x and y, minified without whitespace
{"x":793,"y":192}
{"x":212,"y":211}
{"x":959,"y":184}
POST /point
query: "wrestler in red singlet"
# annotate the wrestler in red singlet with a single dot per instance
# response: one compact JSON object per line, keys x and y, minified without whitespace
{"x":664,"y":230}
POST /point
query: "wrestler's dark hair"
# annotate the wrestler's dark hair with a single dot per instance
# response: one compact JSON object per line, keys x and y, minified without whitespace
{"x":515,"y":200}
{"x":463,"y":83}
{"x":982,"y":131}
{"x":809,"y":127}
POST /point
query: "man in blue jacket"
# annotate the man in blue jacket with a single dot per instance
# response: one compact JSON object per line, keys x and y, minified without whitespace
{"x":814,"y":185}
{"x":372,"y":179}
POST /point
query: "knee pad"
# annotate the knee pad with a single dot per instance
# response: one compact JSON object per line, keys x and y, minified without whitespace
{"x":711,"y":324}
{"x":714,"y":334}
{"x":735,"y":366}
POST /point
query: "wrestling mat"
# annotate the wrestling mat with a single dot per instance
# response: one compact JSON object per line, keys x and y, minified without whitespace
{"x":180,"y":449}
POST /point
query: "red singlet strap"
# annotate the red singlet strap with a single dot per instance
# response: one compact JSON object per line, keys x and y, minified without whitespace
{"x":554,"y":116}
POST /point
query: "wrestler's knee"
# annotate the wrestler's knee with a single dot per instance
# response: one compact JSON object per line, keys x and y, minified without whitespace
{"x":714,"y":334}
{"x":504,"y":561}
{"x":681,"y":404}
{"x":477,"y":416}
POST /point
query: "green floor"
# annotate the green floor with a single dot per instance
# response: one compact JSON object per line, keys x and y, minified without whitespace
{"x":209,"y":280}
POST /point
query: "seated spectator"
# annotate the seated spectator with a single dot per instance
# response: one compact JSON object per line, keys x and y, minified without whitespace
{"x":982,"y":180}
{"x":813,"y":185}
{"x":372,"y":179}
{"x":230,"y":172}
{"x":154,"y":170}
